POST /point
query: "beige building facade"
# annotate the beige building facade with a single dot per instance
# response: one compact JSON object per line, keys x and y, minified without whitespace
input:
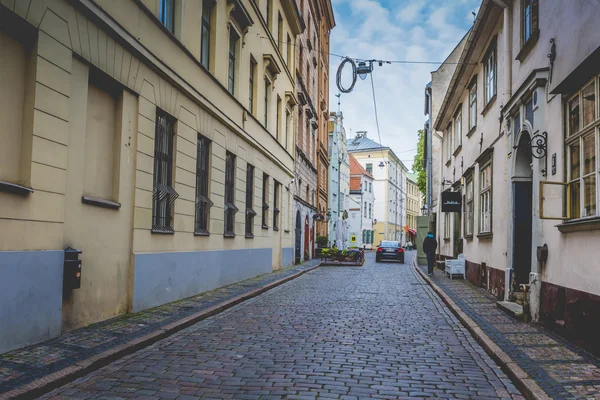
{"x":414,"y":200}
{"x":521,"y":125}
{"x":155,"y":137}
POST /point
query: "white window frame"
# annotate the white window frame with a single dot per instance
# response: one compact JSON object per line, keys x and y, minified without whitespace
{"x":448,"y":140}
{"x":447,"y":229}
{"x":458,"y":129}
{"x":490,"y":79}
{"x":473,"y":106}
{"x":469,"y":207}
{"x":485,"y":198}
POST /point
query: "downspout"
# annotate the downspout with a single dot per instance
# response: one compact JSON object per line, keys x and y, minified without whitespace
{"x":507,"y":28}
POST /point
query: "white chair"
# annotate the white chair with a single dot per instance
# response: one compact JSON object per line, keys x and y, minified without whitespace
{"x":456,"y":267}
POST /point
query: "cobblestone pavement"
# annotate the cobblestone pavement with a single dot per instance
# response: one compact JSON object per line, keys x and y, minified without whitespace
{"x":561,"y":369}
{"x":376,"y":331}
{"x":23,"y":366}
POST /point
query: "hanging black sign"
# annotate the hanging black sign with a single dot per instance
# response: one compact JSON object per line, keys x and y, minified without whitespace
{"x":451,"y":202}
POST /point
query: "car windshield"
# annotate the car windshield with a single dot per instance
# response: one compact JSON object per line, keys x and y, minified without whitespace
{"x":389,"y":244}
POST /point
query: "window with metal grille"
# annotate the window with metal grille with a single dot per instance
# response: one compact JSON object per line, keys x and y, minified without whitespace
{"x":163,"y":195}
{"x":203,"y":202}
{"x":207,"y":6}
{"x":251,"y":85}
{"x":267,"y":97}
{"x":233,"y":39}
{"x":276,"y":186}
{"x":166,"y":14}
{"x":250,"y":213}
{"x":265,"y":201}
{"x":230,"y":207}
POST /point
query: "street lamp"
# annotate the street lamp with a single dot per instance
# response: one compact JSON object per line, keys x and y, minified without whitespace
{"x":424,"y":210}
{"x":363,"y":69}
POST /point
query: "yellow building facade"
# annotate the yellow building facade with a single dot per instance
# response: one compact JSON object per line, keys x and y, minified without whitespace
{"x":413,"y":206}
{"x":155,"y":137}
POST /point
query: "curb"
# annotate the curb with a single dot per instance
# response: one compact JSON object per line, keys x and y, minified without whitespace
{"x":520,"y":378}
{"x":57,"y":379}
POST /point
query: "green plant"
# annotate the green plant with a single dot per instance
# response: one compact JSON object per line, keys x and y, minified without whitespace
{"x":322,"y":241}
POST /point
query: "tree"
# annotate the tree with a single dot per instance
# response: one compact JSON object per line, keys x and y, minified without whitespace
{"x":417,"y":166}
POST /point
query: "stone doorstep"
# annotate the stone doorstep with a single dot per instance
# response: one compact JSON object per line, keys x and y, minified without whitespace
{"x":513,"y":309}
{"x":68,"y":374}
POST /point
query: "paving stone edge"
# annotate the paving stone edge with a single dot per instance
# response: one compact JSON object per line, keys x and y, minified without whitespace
{"x":66,"y":375}
{"x":520,"y":378}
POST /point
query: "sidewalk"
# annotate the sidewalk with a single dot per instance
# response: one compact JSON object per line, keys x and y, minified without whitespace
{"x":561,"y":369}
{"x":35,"y":369}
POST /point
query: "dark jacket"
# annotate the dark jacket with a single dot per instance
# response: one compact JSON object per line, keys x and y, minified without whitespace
{"x":429,"y":244}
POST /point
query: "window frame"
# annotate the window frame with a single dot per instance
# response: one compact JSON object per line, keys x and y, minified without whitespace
{"x":206,"y":33}
{"x":447,"y":228}
{"x":232,"y":54}
{"x":267,"y":100}
{"x":265,"y":201}
{"x":203,"y":155}
{"x":163,"y":6}
{"x":163,"y":194}
{"x":458,"y":129}
{"x":490,"y":83}
{"x":469,"y":207}
{"x":473,"y":105}
{"x":252,"y":87}
{"x":230,"y":208}
{"x":486,"y":193}
{"x":250,"y":213}
{"x":276,"y":211}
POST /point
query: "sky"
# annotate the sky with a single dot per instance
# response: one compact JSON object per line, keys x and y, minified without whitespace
{"x":412,"y":30}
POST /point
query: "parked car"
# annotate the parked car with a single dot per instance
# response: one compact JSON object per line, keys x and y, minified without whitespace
{"x":389,"y":250}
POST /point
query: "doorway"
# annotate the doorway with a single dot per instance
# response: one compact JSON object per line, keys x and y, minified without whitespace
{"x":522,"y":211}
{"x":298,"y":238}
{"x":306,"y":239}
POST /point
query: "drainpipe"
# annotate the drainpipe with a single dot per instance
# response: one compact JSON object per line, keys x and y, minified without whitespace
{"x":507,"y":28}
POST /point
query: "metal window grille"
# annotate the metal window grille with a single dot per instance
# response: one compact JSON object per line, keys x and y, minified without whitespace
{"x":205,"y":43}
{"x":250,"y":213}
{"x":251,"y":87}
{"x":276,"y":206}
{"x":278,"y":117}
{"x":230,"y":207}
{"x":203,"y":202}
{"x":267,"y":90}
{"x":265,"y":201}
{"x":167,"y":14}
{"x":163,"y":194}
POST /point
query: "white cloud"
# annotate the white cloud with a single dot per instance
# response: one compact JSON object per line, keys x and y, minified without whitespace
{"x":416,"y":30}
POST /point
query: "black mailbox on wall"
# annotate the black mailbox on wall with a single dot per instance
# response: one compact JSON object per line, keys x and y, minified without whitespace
{"x":72,"y":269}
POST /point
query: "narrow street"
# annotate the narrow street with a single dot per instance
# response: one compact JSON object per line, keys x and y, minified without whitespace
{"x":377,"y":331}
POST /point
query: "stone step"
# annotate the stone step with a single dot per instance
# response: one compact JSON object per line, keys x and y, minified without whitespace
{"x":514,"y":309}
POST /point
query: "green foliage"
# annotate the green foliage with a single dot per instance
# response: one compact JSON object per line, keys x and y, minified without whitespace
{"x":417,"y":167}
{"x":322,"y":241}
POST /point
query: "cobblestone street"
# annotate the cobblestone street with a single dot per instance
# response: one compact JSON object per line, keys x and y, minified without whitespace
{"x":377,"y":331}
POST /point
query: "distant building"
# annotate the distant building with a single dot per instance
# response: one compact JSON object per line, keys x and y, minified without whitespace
{"x":362,"y":202}
{"x":414,"y":200}
{"x":339,"y":182}
{"x":389,"y":185}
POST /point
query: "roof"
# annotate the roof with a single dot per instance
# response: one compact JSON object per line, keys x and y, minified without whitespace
{"x":355,"y":167}
{"x":412,"y":176}
{"x":364,"y":143}
{"x":355,"y":183}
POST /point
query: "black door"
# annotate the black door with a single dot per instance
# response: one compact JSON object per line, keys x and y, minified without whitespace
{"x":298,"y":238}
{"x":522,"y":231}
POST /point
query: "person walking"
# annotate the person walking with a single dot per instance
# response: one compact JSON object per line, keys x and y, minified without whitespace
{"x":429,"y":247}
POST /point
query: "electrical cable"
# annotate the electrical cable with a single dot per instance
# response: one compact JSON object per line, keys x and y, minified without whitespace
{"x":376,"y":116}
{"x":339,"y":75}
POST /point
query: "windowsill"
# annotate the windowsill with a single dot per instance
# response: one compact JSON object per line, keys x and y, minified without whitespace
{"x":163,"y":230}
{"x":201,"y":233}
{"x":488,"y":105}
{"x":265,"y":226}
{"x":486,"y":235}
{"x":528,"y":46}
{"x":458,"y":149}
{"x":229,"y":234}
{"x":98,"y":202}
{"x":286,"y":231}
{"x":468,"y":237}
{"x":275,"y":228}
{"x":13,"y":188}
{"x":578,"y":225}
{"x":249,"y":236}
{"x":472,"y":131}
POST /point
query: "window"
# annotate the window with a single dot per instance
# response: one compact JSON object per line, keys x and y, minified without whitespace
{"x":365,"y":207}
{"x":279,"y":31}
{"x":277,"y":128}
{"x":446,"y":226}
{"x":269,"y":12}
{"x":290,"y":53}
{"x":166,"y":14}
{"x":250,"y":213}
{"x":207,"y":6}
{"x":469,"y":210}
{"x":203,"y":202}
{"x":233,"y":39}
{"x":267,"y":96}
{"x":251,"y":89}
{"x":473,"y":106}
{"x":370,"y":215}
{"x":489,"y":76}
{"x":448,"y":142}
{"x":485,"y":199}
{"x":370,"y":187}
{"x":276,"y":191}
{"x":458,"y":130}
{"x":265,"y":202}
{"x":230,"y":207}
{"x":369,"y":168}
{"x":582,"y":141}
{"x":287,"y":127}
{"x":529,"y":19}
{"x":163,"y":194}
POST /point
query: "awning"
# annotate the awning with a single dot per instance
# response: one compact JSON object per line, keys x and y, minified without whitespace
{"x":412,"y":231}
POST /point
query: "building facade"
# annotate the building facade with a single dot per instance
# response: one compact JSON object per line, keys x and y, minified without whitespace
{"x":361,"y":206}
{"x":389,"y":185}
{"x":135,"y":132}
{"x":339,"y":182}
{"x":521,"y":130}
{"x":413,"y":207}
